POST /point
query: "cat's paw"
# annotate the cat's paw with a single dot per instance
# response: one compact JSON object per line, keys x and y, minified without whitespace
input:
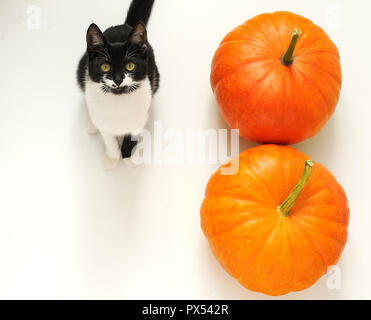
{"x":91,"y":128}
{"x":130,"y":162}
{"x":109,"y":163}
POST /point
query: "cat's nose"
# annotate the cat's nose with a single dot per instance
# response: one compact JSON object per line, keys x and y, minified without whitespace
{"x":118,"y":82}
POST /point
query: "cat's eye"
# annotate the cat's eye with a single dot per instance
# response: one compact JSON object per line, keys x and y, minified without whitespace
{"x":105,"y":67}
{"x":130,"y":66}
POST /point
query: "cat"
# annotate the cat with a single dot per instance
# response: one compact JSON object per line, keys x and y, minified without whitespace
{"x":119,"y":77}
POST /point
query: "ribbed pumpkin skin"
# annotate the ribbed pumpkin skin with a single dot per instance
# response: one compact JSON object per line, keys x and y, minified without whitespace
{"x":263,"y":250}
{"x":266,"y":100}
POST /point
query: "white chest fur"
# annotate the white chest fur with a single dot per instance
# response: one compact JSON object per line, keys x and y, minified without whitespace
{"x":118,"y":114}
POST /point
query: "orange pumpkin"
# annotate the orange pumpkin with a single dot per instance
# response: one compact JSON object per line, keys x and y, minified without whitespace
{"x":271,"y":226}
{"x":277,"y":78}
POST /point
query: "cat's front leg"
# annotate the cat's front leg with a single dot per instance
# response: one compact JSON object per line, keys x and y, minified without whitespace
{"x":90,"y":127}
{"x":113,"y":152}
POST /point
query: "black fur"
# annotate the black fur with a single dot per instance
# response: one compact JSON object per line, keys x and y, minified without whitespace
{"x":81,"y":71}
{"x":139,"y":11}
{"x":128,"y":146}
{"x":117,"y":46}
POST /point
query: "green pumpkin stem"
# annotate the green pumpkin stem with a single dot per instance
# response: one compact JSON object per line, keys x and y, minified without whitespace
{"x":286,"y":206}
{"x":287,"y":58}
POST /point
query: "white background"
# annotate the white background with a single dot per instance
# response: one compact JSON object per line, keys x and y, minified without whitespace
{"x":70,"y":230}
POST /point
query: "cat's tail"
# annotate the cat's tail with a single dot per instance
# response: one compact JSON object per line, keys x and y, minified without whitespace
{"x":139,"y":11}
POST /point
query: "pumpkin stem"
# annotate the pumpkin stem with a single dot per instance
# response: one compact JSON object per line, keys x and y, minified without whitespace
{"x":286,"y":206}
{"x":287,"y":58}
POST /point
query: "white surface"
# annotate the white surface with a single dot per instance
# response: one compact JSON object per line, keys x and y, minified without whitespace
{"x":70,"y":230}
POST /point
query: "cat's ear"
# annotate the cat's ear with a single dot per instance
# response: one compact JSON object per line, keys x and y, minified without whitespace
{"x":138,"y":36}
{"x":94,"y":37}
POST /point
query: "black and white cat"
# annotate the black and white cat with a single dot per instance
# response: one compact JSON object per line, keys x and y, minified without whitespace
{"x":119,"y":76}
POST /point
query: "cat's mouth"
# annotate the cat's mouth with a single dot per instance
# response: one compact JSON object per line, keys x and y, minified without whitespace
{"x":121,"y":90}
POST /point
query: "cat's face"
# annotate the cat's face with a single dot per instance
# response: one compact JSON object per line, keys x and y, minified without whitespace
{"x":119,"y":67}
